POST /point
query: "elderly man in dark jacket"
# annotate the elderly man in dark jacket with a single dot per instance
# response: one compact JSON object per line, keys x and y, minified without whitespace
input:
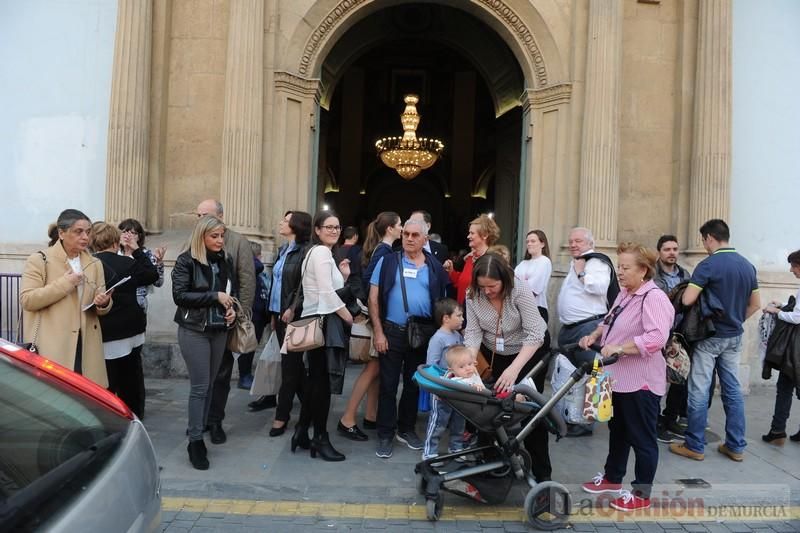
{"x":241,"y":254}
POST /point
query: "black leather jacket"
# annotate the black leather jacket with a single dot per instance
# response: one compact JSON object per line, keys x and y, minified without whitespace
{"x":290,"y":279}
{"x":198,"y":306}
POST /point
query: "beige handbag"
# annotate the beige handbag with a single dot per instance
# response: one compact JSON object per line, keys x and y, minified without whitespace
{"x":304,"y":334}
{"x":242,"y":336}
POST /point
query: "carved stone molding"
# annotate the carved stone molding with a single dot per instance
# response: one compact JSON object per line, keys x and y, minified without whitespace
{"x":298,"y":85}
{"x":547,"y":97}
{"x":498,"y":8}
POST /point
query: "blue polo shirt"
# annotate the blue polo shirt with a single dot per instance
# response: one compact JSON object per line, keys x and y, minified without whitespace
{"x":731,"y":279}
{"x":417,"y":292}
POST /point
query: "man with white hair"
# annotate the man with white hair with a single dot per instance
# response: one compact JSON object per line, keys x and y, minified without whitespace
{"x":433,"y":247}
{"x":584,"y":299}
{"x":404,"y":284}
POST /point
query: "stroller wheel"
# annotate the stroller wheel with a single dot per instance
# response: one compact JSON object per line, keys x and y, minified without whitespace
{"x":434,"y":507}
{"x":421,"y":483}
{"x":548,"y":505}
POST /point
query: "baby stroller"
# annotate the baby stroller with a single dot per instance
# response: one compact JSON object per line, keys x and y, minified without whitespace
{"x":486,"y":473}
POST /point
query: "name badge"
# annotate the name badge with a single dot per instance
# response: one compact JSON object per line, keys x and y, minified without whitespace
{"x":410,"y":273}
{"x":499,"y":344}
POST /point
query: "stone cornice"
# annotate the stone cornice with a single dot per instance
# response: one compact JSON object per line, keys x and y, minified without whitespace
{"x":498,"y":8}
{"x":298,"y":85}
{"x":547,"y":97}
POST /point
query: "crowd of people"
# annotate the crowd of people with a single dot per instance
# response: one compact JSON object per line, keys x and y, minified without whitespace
{"x":85,"y":300}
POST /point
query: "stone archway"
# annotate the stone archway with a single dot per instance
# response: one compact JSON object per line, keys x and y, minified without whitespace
{"x":544,"y":102}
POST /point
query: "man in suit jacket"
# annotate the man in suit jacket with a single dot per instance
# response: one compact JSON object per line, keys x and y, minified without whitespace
{"x":436,"y":249}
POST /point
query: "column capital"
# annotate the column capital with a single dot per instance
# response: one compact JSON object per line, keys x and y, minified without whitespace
{"x":551,"y":96}
{"x":298,"y":85}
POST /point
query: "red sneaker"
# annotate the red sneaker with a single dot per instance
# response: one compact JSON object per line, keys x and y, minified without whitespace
{"x":600,"y":484}
{"x":627,"y":502}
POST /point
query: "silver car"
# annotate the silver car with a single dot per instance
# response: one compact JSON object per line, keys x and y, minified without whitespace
{"x":72,"y":455}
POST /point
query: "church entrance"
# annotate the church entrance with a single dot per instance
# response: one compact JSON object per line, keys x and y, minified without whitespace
{"x":469,"y":85}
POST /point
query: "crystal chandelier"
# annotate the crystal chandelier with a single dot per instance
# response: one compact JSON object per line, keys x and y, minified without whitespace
{"x":409,"y":155}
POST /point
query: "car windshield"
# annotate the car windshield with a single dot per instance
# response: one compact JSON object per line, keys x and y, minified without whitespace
{"x":53,"y":439}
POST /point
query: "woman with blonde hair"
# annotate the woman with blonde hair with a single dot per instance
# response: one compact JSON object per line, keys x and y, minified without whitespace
{"x":635,"y":329}
{"x":201,"y":288}
{"x":62,"y":294}
{"x":483,"y":233}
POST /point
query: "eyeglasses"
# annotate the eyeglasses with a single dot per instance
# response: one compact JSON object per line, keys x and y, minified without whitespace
{"x":413,"y":235}
{"x":332,"y":228}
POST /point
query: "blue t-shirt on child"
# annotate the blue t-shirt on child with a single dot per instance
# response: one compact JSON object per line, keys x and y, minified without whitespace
{"x":439,"y":343}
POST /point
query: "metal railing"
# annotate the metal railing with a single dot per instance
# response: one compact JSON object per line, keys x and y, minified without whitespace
{"x":10,"y":318}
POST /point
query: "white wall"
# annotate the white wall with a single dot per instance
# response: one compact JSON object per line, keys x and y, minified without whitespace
{"x":765,"y":196}
{"x":55,"y":86}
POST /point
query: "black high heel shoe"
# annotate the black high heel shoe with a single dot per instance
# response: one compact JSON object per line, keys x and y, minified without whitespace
{"x":300,"y":438}
{"x":795,"y":437}
{"x":277,"y":432}
{"x":322,"y":445}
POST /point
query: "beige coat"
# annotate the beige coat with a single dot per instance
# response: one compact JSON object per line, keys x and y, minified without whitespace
{"x":57,"y":311}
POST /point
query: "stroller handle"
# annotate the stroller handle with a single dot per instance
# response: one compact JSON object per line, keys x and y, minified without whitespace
{"x":587,"y":367}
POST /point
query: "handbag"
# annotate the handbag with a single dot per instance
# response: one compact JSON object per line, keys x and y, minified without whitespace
{"x":483,"y":366}
{"x":267,"y":377}
{"x":419,"y":329}
{"x":31,"y":346}
{"x":597,"y":405}
{"x":360,"y":340}
{"x":242,"y":335}
{"x":570,"y":406}
{"x":677,"y":358}
{"x":304,"y":335}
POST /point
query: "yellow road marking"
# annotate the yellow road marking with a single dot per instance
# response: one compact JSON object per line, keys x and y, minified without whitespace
{"x":733,"y":513}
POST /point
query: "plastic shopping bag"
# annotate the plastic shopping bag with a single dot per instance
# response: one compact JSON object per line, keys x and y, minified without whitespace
{"x":267,"y":377}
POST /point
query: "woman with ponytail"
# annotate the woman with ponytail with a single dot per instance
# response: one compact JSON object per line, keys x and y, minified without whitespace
{"x":381,"y":233}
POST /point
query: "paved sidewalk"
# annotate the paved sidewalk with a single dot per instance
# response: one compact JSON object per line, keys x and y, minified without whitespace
{"x":254,"y":470}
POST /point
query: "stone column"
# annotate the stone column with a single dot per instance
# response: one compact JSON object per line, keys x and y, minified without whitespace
{"x":292,"y":170}
{"x":243,"y":126}
{"x":711,"y":145}
{"x":129,"y":116}
{"x":599,"y":175}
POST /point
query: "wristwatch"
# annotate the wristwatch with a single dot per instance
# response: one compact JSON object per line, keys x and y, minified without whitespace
{"x":620,"y":352}
{"x":582,"y":275}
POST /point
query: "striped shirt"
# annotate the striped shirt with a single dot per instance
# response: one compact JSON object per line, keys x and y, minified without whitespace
{"x":645,"y":317}
{"x":521,"y":324}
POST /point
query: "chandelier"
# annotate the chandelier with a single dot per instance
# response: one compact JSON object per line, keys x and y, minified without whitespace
{"x":409,"y":155}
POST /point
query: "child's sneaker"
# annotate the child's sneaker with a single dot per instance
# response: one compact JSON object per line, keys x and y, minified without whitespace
{"x":627,"y":502}
{"x":600,"y":484}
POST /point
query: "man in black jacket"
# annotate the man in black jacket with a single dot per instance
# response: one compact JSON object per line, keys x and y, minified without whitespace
{"x":241,"y":254}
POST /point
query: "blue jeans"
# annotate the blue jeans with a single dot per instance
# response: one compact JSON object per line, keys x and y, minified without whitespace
{"x":442,"y":417}
{"x":724,"y":354}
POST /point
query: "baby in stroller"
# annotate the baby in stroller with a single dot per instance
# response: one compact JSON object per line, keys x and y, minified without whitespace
{"x":461,"y":367}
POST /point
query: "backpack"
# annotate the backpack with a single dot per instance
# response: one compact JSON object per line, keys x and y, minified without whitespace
{"x":613,"y":286}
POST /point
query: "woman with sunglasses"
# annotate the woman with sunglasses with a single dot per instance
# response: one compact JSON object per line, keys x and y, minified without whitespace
{"x":635,"y":329}
{"x":123,"y":327}
{"x":62,"y":294}
{"x":323,"y":287}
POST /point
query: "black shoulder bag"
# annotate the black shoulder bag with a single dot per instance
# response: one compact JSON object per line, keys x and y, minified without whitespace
{"x":419,"y":329}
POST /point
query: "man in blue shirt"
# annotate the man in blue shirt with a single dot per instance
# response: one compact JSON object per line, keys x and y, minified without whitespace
{"x":425,"y":282}
{"x":727,"y":280}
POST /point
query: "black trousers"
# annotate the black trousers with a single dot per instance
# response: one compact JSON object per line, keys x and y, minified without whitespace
{"x":677,"y":401}
{"x":126,"y":380}
{"x":399,"y":360}
{"x":316,"y":404}
{"x":537,"y":442}
{"x":293,"y":373}
{"x":633,"y":426}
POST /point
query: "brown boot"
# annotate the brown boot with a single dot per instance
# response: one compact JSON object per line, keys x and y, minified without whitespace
{"x":733,"y":456}
{"x":679,"y":448}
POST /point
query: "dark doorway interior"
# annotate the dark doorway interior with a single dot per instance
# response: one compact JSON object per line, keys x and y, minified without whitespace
{"x":479,"y":171}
